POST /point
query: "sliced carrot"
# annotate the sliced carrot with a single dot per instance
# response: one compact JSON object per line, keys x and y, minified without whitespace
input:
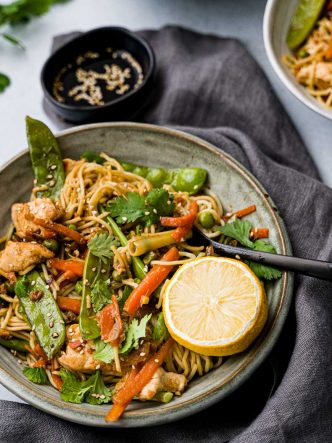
{"x":180,"y":233}
{"x":183,"y":230}
{"x":257,"y":233}
{"x":241,"y":213}
{"x":110,"y":323}
{"x":58,"y":228}
{"x":134,"y":384}
{"x":182,"y":221}
{"x":74,"y":266}
{"x":57,"y":381}
{"x":69,"y":304}
{"x":38,"y":351}
{"x":41,"y":363}
{"x":150,"y":283}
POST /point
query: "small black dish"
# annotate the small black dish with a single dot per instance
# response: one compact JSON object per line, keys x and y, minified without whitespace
{"x":104,"y":74}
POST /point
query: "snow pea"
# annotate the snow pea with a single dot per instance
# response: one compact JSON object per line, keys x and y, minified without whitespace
{"x":14,"y":343}
{"x":189,"y":180}
{"x":94,"y":270}
{"x":91,"y":156}
{"x":42,"y":312}
{"x":45,"y":158}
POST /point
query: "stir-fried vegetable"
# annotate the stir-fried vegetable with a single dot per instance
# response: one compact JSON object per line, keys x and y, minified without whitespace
{"x":76,"y":267}
{"x":15,"y":343}
{"x":46,"y":158}
{"x":182,"y":231}
{"x":150,"y":242}
{"x":189,"y":180}
{"x":69,"y":304}
{"x":158,"y":273}
{"x":137,"y":380}
{"x":42,"y":312}
{"x":110,"y":322}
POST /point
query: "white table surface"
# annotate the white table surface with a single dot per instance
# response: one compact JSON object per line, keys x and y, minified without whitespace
{"x":241,"y":19}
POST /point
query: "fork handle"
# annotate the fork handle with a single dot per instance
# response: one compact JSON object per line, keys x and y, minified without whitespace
{"x":313,"y":268}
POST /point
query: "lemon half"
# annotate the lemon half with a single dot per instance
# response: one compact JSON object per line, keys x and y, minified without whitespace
{"x":214,"y":306}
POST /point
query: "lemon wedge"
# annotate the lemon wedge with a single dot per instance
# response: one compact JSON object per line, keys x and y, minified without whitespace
{"x":214,"y":306}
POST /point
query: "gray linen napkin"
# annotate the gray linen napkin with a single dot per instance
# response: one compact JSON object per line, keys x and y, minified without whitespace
{"x":213,"y":88}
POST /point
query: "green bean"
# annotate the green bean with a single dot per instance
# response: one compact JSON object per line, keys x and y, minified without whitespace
{"x":45,"y":158}
{"x":51,"y":244}
{"x":43,"y":313}
{"x":138,"y":266}
{"x":160,"y":331}
{"x":163,"y":397}
{"x":91,"y":156}
{"x":206,"y":220}
{"x":189,"y":180}
{"x":15,"y":344}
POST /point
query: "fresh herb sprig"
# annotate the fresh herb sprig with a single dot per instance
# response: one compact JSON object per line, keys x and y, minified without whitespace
{"x":100,"y":246}
{"x":147,"y":209}
{"x":240,"y":231}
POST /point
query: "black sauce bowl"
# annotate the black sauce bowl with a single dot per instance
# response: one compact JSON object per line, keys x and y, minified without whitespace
{"x":119,"y":108}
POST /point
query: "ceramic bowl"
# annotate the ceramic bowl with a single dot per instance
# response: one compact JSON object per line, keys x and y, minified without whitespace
{"x":158,"y":146}
{"x":277,"y":17}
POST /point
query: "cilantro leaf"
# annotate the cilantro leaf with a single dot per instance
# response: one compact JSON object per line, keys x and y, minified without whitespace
{"x":92,"y":390}
{"x":263,"y":271}
{"x":148,"y":209}
{"x":36,"y":375}
{"x":4,"y":82}
{"x":100,"y":295}
{"x":240,"y":230}
{"x":135,"y":331}
{"x":103,"y":351}
{"x":100,"y":246}
{"x":159,"y":204}
{"x":99,"y":393}
{"x":127,"y":209}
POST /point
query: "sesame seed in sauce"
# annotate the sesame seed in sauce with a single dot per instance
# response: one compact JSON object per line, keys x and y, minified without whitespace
{"x":53,"y":167}
{"x":156,"y":360}
{"x":94,"y":269}
{"x":142,"y":354}
{"x":51,"y":183}
{"x":48,"y":314}
{"x":49,"y":177}
{"x":237,"y":257}
{"x":103,"y":271}
{"x":55,"y":335}
{"x":51,"y":324}
{"x":98,"y":367}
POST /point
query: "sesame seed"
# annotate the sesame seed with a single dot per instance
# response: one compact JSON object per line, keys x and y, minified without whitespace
{"x":102,"y":396}
{"x":82,"y":352}
{"x":86,"y":282}
{"x":49,"y":177}
{"x":124,"y":218}
{"x":48,"y":314}
{"x":94,"y":269}
{"x":156,"y":360}
{"x":53,"y":167}
{"x":154,"y":210}
{"x":133,"y":366}
{"x":238,"y":257}
{"x":103,"y":271}
{"x":147,"y":213}
{"x":142,"y":354}
{"x":33,"y":327}
{"x":33,"y":283}
{"x":51,"y":183}
{"x":51,"y":324}
{"x":55,"y":335}
{"x":98,"y":367}
{"x":196,"y":187}
{"x":93,"y":395}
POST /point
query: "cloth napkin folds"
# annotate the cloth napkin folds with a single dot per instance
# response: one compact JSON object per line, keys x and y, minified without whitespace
{"x":212,"y":87}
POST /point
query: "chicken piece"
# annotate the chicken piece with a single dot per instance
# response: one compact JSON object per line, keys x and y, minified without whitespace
{"x":18,"y":256}
{"x":74,"y":359}
{"x":43,"y":208}
{"x":323,"y":74}
{"x":163,"y":381}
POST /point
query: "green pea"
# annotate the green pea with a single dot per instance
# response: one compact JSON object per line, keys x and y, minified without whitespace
{"x":73,"y":227}
{"x":157,"y":176}
{"x":79,"y":287}
{"x":141,"y":171}
{"x":51,"y":244}
{"x":189,"y":180}
{"x":206,"y":220}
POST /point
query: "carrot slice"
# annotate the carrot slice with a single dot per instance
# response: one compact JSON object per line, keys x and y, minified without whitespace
{"x":69,"y":304}
{"x":134,"y":384}
{"x":110,"y":322}
{"x":183,"y":230}
{"x":242,"y":212}
{"x":74,"y":266}
{"x":150,"y":283}
{"x":57,"y":381}
{"x":58,"y":228}
{"x":257,"y":233}
{"x":182,"y":221}
{"x":40,"y":363}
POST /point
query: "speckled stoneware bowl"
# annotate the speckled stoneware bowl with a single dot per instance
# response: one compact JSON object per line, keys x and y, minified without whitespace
{"x":277,"y":17}
{"x":158,"y":146}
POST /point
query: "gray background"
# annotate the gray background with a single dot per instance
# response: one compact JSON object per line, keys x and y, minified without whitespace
{"x":236,"y":18}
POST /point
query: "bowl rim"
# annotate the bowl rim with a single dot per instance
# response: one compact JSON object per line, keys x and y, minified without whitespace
{"x":151,"y":69}
{"x":171,"y":413}
{"x":280,"y":70}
